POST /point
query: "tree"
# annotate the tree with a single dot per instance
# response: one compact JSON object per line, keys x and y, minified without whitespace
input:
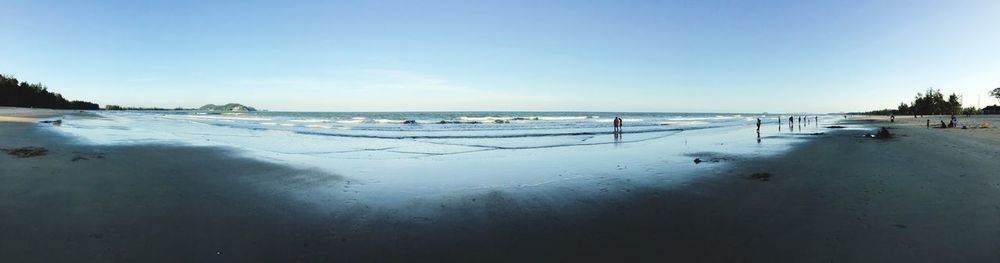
{"x":954,"y":105}
{"x":903,"y":109}
{"x":23,"y":94}
{"x":995,"y":93}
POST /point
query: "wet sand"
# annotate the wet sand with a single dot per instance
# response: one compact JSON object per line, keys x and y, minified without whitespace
{"x":928,"y":195}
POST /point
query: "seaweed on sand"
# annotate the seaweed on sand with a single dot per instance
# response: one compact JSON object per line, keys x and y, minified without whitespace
{"x":25,"y":152}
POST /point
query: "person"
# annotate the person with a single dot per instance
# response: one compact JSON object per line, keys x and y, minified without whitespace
{"x":892,"y":118}
{"x":954,"y":121}
{"x":621,"y":123}
{"x":758,"y":127}
{"x":791,"y":119}
{"x":616,"y":123}
{"x":928,"y":123}
{"x":817,"y":119}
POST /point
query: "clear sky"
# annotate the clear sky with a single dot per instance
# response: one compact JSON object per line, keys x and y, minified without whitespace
{"x":706,"y":56}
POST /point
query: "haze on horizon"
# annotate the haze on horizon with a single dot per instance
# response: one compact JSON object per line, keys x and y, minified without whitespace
{"x":707,"y":56}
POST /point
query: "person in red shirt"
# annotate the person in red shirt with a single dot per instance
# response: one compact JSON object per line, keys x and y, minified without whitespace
{"x":618,"y":124}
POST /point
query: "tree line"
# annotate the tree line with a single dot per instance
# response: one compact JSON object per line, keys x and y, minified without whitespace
{"x":129,"y":108}
{"x":932,"y":102}
{"x":14,"y":93}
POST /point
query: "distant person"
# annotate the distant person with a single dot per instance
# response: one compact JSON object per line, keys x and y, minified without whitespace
{"x":616,"y":123}
{"x":817,"y":119}
{"x":758,"y":127}
{"x":621,"y":123}
{"x":791,"y":119}
{"x":954,"y":121}
{"x":892,"y":118}
{"x":928,"y":123}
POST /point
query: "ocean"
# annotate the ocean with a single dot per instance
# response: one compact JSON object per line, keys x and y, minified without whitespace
{"x":399,"y":155}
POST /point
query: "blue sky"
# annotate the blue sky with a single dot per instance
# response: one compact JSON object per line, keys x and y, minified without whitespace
{"x":707,"y":56}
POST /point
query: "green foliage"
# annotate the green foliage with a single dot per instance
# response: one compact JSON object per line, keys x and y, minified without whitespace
{"x":971,"y":111}
{"x":932,"y":103}
{"x":14,"y":93}
{"x":116,"y":107}
{"x":995,"y":93}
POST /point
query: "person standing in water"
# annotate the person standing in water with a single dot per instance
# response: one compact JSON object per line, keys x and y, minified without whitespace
{"x":615,"y":123}
{"x":758,"y":126}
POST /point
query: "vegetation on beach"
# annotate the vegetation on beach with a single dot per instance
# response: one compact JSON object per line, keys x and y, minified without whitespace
{"x":116,"y":107}
{"x":995,"y":93}
{"x":931,"y":103}
{"x":14,"y":93}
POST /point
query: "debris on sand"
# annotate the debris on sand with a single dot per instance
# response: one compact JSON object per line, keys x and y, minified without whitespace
{"x":55,"y":122}
{"x":26,"y":152}
{"x":761,"y":176}
{"x":711,"y":157}
{"x":835,"y":127}
{"x":84,"y":157}
{"x":883,"y":133}
{"x":984,"y":125}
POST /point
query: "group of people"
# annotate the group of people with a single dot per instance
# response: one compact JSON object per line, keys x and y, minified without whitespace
{"x":618,"y":124}
{"x":791,"y":119}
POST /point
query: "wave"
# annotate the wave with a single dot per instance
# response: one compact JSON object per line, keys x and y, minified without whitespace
{"x":491,"y":136}
{"x":311,"y":120}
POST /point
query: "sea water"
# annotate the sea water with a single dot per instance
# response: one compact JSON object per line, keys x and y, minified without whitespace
{"x":404,"y":155}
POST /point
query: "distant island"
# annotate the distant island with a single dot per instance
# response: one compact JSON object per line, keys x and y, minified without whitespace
{"x":230,"y":107}
{"x":14,"y":93}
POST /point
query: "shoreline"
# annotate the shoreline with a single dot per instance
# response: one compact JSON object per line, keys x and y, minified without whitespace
{"x":926,"y":195}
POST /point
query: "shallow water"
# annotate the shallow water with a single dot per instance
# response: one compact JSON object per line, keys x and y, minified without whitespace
{"x":388,"y":160}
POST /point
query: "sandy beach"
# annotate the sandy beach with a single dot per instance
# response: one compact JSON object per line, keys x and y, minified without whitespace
{"x":926,"y":195}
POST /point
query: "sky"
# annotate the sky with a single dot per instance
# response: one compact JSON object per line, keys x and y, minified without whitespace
{"x":617,"y":56}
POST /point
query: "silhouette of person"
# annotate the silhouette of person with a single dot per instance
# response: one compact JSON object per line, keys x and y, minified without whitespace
{"x":892,"y":118}
{"x":616,"y":123}
{"x":758,"y":127}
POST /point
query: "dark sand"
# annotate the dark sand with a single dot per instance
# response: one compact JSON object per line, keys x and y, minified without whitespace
{"x":927,"y":196}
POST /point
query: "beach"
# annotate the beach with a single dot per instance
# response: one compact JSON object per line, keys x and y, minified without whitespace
{"x":925,"y":195}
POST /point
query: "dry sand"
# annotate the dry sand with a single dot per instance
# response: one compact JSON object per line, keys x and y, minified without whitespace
{"x":928,"y":195}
